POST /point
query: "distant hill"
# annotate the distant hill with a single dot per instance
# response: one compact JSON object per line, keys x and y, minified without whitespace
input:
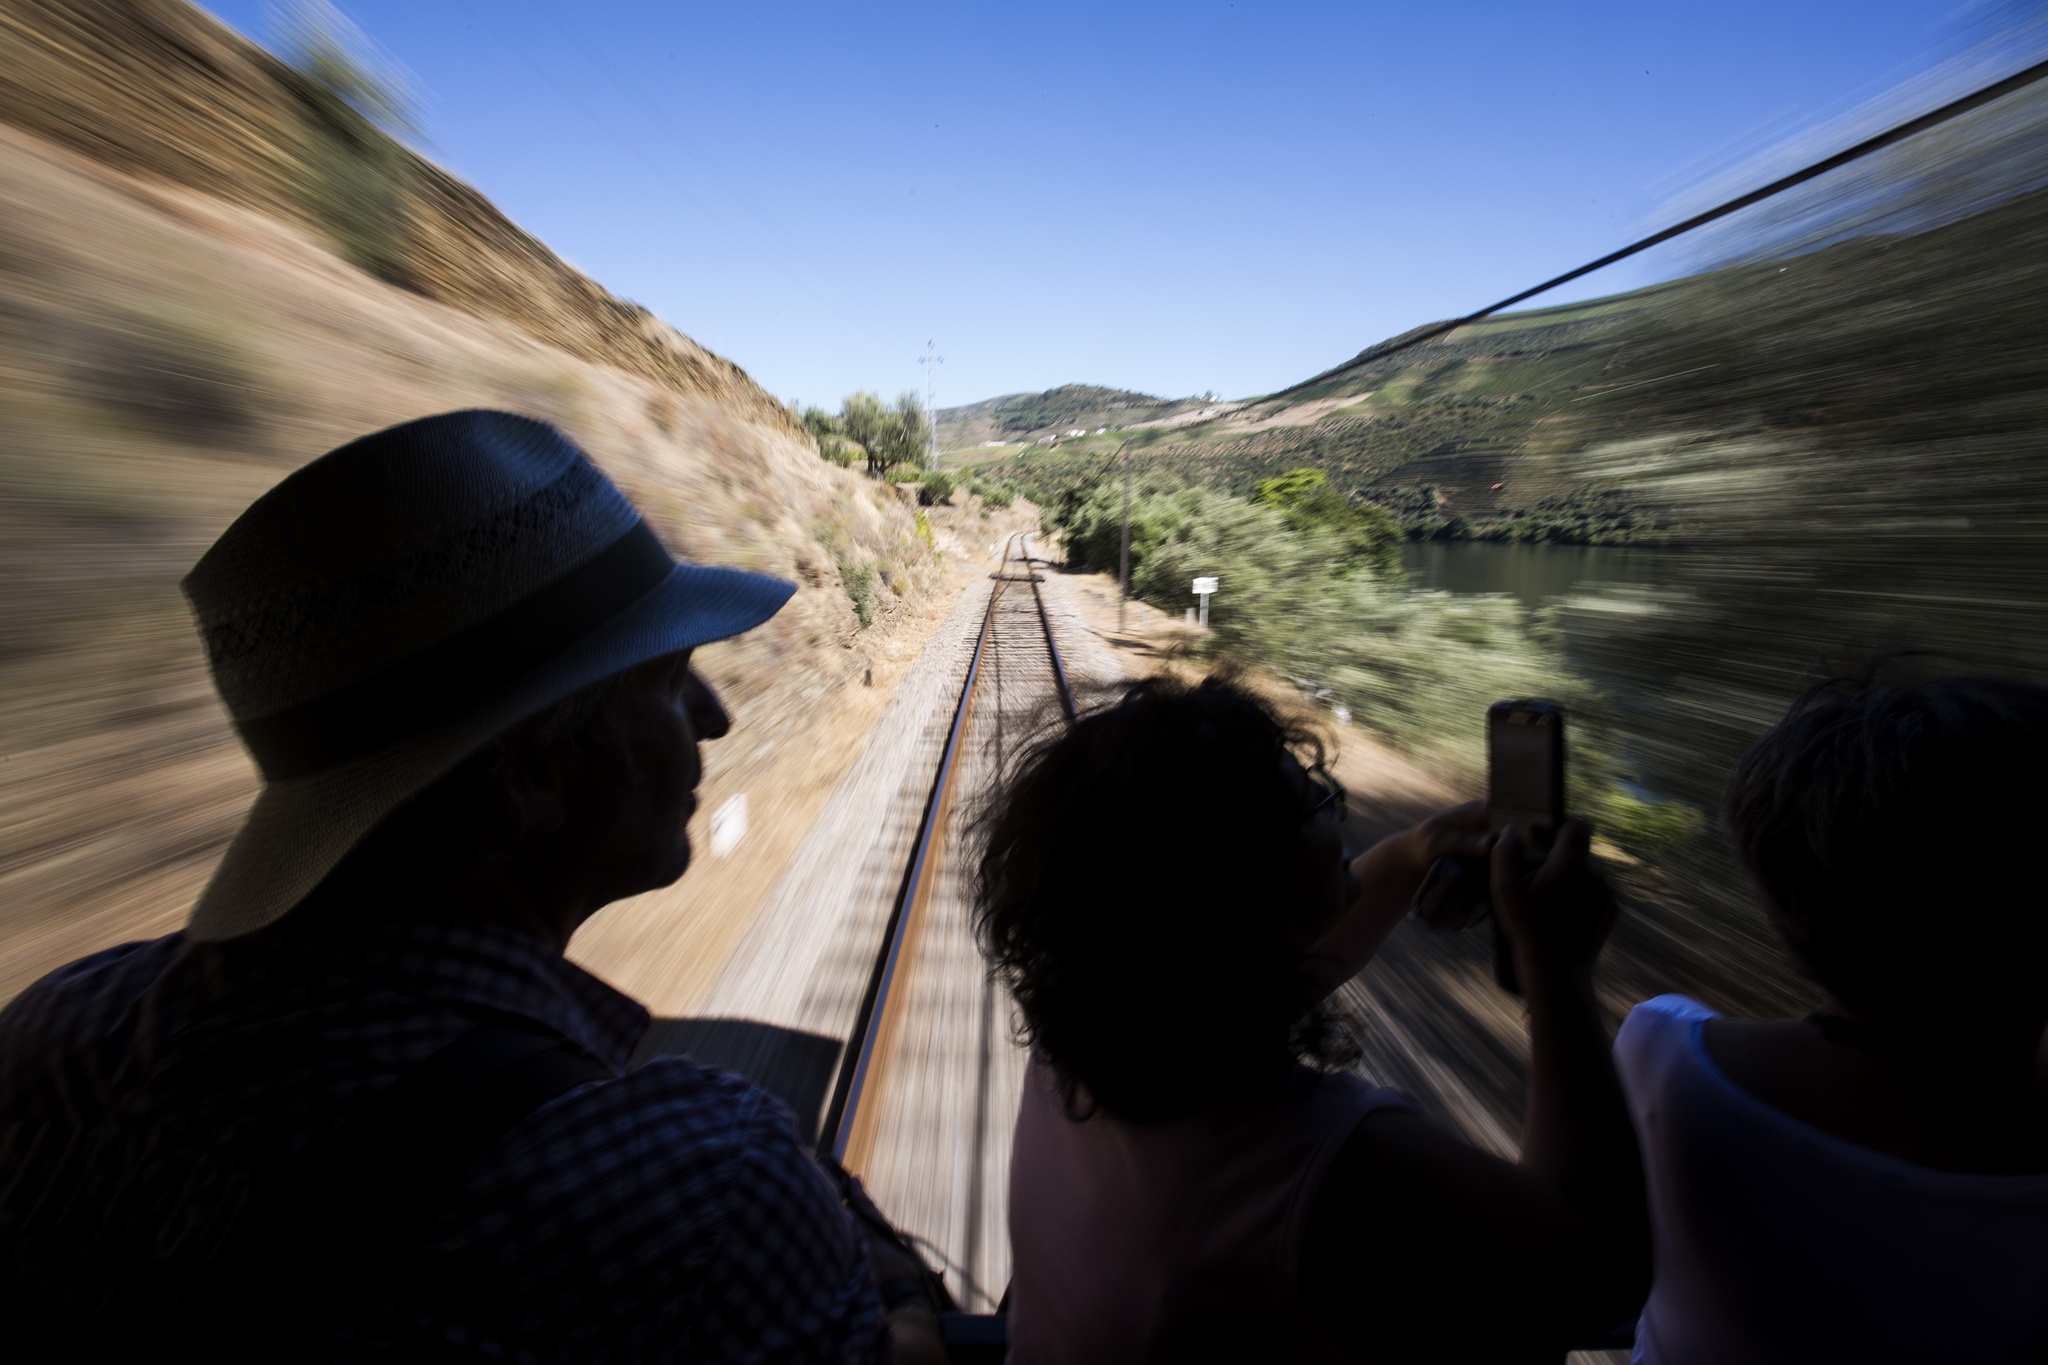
{"x":1592,"y":422}
{"x":1429,"y":433}
{"x":1028,"y":416}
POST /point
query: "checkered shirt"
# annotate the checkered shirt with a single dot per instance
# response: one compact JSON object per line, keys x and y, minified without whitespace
{"x":671,"y":1214}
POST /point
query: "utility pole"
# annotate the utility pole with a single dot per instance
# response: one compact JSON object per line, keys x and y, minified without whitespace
{"x":1124,"y":566}
{"x":932,"y":361}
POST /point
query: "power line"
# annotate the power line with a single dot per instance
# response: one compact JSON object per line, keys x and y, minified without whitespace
{"x":1954,"y":109}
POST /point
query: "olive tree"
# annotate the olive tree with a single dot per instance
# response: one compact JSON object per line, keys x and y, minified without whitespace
{"x":889,"y":434}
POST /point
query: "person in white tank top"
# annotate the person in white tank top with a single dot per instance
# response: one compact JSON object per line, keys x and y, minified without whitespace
{"x":1868,"y":1184}
{"x":1191,"y":1180}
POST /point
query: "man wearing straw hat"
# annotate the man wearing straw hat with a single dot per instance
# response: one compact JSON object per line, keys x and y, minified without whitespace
{"x":362,"y":1105}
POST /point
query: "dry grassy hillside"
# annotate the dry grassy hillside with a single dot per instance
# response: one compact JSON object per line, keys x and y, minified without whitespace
{"x":169,"y":349}
{"x":159,"y":90}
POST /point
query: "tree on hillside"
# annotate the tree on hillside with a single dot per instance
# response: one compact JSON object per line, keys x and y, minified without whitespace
{"x":1369,"y":535}
{"x":829,"y":432}
{"x":889,"y":434}
{"x":819,"y":423}
{"x":357,"y":104}
{"x":909,"y":436}
{"x":862,"y":418}
{"x":1293,"y":489}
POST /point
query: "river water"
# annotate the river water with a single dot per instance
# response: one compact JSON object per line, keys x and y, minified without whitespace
{"x":1539,"y":575}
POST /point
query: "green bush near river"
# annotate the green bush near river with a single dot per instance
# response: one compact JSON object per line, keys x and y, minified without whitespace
{"x":1298,"y":596}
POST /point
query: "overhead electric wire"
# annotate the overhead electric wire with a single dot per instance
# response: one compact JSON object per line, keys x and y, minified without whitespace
{"x":1932,"y":119}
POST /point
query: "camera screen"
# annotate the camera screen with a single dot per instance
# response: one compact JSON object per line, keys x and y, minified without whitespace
{"x":1521,"y":764}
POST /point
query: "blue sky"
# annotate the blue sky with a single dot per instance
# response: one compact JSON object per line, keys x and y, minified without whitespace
{"x":1166,"y":197}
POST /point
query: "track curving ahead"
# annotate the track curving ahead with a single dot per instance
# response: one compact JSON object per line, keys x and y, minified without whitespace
{"x":926,"y":1092}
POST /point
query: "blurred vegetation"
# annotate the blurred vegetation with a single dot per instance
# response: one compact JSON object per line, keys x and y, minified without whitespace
{"x":994,"y":493}
{"x":1366,"y":534}
{"x":356,"y":107}
{"x":824,"y":428}
{"x":935,"y":489}
{"x":1313,"y":594}
{"x":1431,"y":461}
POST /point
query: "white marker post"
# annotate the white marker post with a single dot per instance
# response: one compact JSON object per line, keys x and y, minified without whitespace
{"x":1203,"y":588}
{"x":728,"y":826}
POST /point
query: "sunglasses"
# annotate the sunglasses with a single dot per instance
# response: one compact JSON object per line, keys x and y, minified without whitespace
{"x":1332,"y":799}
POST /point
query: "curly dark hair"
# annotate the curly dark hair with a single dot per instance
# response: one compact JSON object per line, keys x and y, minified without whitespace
{"x":1890,"y":825}
{"x":1133,"y":897}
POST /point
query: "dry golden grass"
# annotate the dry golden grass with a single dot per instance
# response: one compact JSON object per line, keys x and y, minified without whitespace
{"x":163,"y":92}
{"x":165,"y":356}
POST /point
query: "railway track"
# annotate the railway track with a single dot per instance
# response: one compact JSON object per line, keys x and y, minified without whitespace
{"x":926,"y":1091}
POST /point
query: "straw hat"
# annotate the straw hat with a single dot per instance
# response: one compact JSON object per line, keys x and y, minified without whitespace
{"x":387,"y":609}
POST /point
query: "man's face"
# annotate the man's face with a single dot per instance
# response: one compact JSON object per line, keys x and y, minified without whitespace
{"x":632,"y":812}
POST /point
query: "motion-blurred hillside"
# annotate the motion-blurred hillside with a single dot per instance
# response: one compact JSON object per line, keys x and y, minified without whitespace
{"x":213,"y":268}
{"x":1828,"y":446}
{"x":1527,"y":427}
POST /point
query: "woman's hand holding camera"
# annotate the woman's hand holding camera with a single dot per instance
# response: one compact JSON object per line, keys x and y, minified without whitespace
{"x":1398,"y":862}
{"x":1383,"y":882}
{"x":1557,"y":917}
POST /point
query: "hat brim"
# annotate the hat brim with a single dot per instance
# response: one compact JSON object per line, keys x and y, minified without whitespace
{"x":299,"y":829}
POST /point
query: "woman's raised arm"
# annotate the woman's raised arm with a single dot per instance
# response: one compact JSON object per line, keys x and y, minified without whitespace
{"x":1420,"y":1247}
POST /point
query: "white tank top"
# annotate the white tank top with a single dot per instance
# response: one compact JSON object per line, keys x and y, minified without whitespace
{"x":1178,"y":1241}
{"x":1778,"y":1242}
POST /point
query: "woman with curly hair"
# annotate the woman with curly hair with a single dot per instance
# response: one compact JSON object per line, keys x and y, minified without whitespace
{"x":1164,"y":892}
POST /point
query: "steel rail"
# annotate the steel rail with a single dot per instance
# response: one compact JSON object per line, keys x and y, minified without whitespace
{"x":837,"y":1128}
{"x":1059,"y":670}
{"x":836,"y":1132}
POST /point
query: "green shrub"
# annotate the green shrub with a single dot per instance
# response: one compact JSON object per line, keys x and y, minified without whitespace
{"x":1418,"y":667}
{"x":859,"y":580}
{"x":1646,"y":828}
{"x":1368,"y":533}
{"x":354,"y":173}
{"x":935,"y":489}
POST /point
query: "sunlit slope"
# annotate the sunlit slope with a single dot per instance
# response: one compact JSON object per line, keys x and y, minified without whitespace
{"x":161,"y":91}
{"x":181,"y":327}
{"x":1513,"y":428}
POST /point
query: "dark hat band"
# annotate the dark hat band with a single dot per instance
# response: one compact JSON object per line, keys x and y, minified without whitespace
{"x":437,"y":683}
